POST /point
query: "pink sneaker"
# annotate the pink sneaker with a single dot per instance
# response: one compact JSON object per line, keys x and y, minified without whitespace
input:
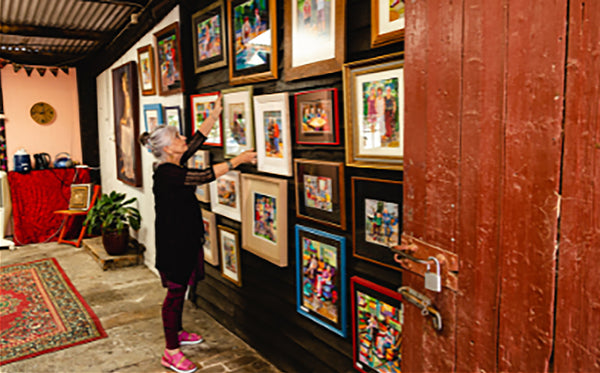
{"x":178,"y":363}
{"x":186,"y":338}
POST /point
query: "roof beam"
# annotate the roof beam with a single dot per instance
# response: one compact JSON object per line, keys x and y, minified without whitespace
{"x":51,"y":32}
{"x":133,"y":3}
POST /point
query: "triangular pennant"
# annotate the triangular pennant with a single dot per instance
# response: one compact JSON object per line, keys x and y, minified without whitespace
{"x":54,"y":71}
{"x":17,"y":67}
{"x":65,"y":70}
{"x":28,"y":70}
{"x":41,"y":70}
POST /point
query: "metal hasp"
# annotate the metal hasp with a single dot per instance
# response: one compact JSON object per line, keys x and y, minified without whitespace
{"x":415,"y":256}
{"x":423,"y":303}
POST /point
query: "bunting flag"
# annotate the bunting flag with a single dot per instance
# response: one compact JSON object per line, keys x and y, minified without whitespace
{"x":65,"y":69}
{"x":41,"y":70}
{"x":28,"y":70}
{"x":17,"y":67}
{"x":54,"y":71}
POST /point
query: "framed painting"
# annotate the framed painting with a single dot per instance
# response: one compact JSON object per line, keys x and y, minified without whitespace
{"x":202,"y":105}
{"x":127,"y":127}
{"x":315,"y":37}
{"x":264,"y":223}
{"x":173,"y":117}
{"x":252,"y":40}
{"x":321,"y":278}
{"x":153,"y":116}
{"x":374,"y":108}
{"x":209,"y":36}
{"x":81,"y":196}
{"x":211,"y":247}
{"x":387,"y":22}
{"x":229,"y":245}
{"x":320,"y":194}
{"x":377,"y":325}
{"x":273,"y":138}
{"x":168,"y":52}
{"x":238,"y":126}
{"x":225,"y":196}
{"x":377,"y":219}
{"x":317,"y":120}
{"x":201,"y":160}
{"x":146,"y":70}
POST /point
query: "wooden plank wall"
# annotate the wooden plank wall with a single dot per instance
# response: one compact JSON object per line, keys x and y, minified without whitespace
{"x":577,"y":315}
{"x":263,"y":311}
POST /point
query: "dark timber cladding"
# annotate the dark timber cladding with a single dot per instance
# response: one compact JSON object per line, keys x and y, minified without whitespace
{"x":263,"y":311}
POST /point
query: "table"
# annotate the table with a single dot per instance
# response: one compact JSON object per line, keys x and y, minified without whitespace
{"x":36,"y":195}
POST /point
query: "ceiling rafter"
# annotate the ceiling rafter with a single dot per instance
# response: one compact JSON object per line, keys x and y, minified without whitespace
{"x":52,"y":32}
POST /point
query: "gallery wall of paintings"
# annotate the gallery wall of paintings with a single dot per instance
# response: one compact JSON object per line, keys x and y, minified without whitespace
{"x":316,"y":88}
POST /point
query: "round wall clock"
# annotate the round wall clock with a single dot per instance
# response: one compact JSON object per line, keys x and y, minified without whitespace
{"x":42,"y":113}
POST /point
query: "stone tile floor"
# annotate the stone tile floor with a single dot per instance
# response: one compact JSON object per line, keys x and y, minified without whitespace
{"x":128,"y":302}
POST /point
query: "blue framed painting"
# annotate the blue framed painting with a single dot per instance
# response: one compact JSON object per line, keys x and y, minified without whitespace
{"x":321,"y":278}
{"x":153,"y":116}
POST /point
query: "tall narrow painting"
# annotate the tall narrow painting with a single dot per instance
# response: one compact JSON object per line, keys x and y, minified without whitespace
{"x":127,"y":127}
{"x":208,"y":29}
{"x":252,"y":40}
{"x":168,"y":51}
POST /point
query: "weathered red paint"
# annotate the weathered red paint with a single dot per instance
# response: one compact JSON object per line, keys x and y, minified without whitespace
{"x":577,"y":347}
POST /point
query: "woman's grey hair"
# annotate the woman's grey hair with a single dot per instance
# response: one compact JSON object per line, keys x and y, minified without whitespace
{"x":160,"y":137}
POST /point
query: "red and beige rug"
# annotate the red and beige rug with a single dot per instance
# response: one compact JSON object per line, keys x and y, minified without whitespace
{"x":41,"y":311}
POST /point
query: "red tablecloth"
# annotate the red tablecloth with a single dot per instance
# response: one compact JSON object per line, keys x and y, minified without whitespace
{"x":35,"y":196}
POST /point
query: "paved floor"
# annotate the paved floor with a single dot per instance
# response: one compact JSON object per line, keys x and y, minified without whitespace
{"x":128,"y":302}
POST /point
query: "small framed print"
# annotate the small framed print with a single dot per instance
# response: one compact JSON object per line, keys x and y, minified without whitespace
{"x":273,"y":138}
{"x":210,"y":43}
{"x":225,"y":196}
{"x":81,"y":196}
{"x":229,"y":245}
{"x":317,"y":117}
{"x":237,"y":120}
{"x":201,"y":160}
{"x":377,"y":219}
{"x":315,"y":37}
{"x":387,"y":22}
{"x":153,"y":116}
{"x":146,"y":70}
{"x":374,"y":112}
{"x":252,"y":40}
{"x":168,"y":51}
{"x":202,"y":105}
{"x":264,"y":226}
{"x":321,"y":278}
{"x":377,"y":326}
{"x":173,"y":117}
{"x":211,"y":247}
{"x":320,"y":194}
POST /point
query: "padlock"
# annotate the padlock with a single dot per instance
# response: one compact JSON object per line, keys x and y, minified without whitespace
{"x":433,"y":281}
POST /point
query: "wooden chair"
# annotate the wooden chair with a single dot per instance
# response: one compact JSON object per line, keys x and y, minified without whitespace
{"x":71,"y":213}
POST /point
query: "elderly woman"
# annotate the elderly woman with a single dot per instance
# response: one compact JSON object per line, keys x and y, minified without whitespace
{"x":179,"y":228}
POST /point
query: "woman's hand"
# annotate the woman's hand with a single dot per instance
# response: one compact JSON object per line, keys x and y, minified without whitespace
{"x":210,"y":121}
{"x":249,"y":156}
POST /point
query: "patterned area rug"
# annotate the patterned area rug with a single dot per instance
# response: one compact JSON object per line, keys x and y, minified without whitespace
{"x":41,"y":311}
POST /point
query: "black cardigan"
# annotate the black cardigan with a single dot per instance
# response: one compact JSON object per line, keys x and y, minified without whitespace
{"x":178,"y":226}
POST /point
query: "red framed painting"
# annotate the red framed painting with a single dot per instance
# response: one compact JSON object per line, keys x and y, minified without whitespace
{"x":201,"y":105}
{"x":317,"y":117}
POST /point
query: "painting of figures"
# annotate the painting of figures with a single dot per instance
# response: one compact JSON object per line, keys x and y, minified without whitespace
{"x":225,"y":195}
{"x":202,"y":106}
{"x":230,"y":254}
{"x":265,"y":217}
{"x":378,"y":316}
{"x":273,"y":134}
{"x":226,"y":192}
{"x":381,"y":126}
{"x":314,"y":36}
{"x":321,"y":277}
{"x":381,"y":222}
{"x":209,"y":37}
{"x":317,"y":192}
{"x":168,"y":50}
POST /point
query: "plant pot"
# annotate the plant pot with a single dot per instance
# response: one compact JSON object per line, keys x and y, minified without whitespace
{"x":116,"y":242}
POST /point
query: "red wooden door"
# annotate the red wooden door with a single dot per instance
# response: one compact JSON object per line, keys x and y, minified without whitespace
{"x":484,"y":160}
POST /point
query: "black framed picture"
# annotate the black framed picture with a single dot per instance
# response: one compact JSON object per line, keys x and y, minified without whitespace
{"x":320,"y":194}
{"x":377,"y":219}
{"x":210,"y":41}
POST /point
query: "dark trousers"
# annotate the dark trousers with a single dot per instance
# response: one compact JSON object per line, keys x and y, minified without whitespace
{"x":172,"y":311}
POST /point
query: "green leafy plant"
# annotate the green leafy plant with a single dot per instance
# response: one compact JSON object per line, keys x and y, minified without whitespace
{"x":113,"y":213}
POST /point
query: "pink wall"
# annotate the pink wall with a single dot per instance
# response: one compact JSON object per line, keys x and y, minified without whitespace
{"x":20,"y":92}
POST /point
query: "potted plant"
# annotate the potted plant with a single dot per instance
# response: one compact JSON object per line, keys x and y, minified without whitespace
{"x":112,"y":216}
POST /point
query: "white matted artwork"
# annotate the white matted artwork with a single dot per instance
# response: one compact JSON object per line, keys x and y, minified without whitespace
{"x":273,"y":138}
{"x":264,"y":226}
{"x":211,"y":247}
{"x":238,"y":125}
{"x":225,"y":196}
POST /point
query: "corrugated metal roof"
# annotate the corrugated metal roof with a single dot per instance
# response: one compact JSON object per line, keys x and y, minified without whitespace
{"x":60,"y":32}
